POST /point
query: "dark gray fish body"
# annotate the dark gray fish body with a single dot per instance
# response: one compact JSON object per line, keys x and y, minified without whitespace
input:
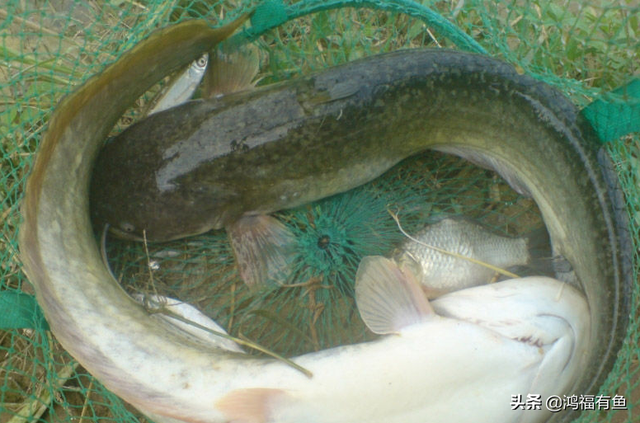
{"x":204,"y":164}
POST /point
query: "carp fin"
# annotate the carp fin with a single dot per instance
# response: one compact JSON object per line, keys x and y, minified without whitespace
{"x":248,"y":405}
{"x":541,"y":261}
{"x":387,"y":297}
{"x":539,"y":243}
{"x":263,"y":248}
{"x":540,"y":255}
{"x":230,"y":70}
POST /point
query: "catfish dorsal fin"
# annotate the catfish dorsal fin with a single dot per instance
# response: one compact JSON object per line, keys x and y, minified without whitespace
{"x":388,"y":298}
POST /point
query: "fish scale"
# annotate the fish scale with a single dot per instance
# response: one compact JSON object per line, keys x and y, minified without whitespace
{"x":444,"y":272}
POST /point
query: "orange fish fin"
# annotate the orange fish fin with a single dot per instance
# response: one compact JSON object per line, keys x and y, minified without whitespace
{"x":248,"y":405}
{"x":264,"y":249}
{"x":387,"y":297}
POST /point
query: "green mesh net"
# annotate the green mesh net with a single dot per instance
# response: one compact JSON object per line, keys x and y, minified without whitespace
{"x":586,"y":49}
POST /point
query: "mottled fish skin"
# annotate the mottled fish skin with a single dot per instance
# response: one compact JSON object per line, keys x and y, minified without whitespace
{"x":202,"y":165}
{"x":431,"y":98}
{"x":443,"y":272}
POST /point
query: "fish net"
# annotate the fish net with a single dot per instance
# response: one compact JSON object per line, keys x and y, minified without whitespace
{"x":586,"y":49}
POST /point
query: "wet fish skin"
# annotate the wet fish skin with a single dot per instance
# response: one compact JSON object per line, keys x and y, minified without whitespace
{"x":512,"y":308}
{"x":441,"y":273}
{"x":57,"y":247}
{"x":520,"y":335}
{"x":355,"y":121}
{"x":91,"y":315}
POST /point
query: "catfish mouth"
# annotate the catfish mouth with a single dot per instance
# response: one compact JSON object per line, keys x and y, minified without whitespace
{"x":540,"y":343}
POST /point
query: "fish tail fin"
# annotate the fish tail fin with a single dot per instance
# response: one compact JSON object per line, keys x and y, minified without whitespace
{"x":231,"y":69}
{"x":542,"y":261}
{"x":264,"y":249}
{"x":538,"y":243}
{"x":540,"y":256}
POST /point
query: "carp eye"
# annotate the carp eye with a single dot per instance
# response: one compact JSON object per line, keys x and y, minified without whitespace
{"x":127,"y":227}
{"x":202,"y":61}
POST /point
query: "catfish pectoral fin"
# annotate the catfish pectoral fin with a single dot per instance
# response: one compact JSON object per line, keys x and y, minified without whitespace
{"x":263,"y":248}
{"x":388,"y":298}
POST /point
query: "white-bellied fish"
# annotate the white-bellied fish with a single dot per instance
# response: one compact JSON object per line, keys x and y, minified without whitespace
{"x":345,"y":125}
{"x":439,"y":272}
{"x":460,"y":358}
{"x":212,"y":164}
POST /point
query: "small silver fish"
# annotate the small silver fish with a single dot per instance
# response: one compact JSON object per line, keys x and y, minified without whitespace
{"x":183,"y":86}
{"x":229,"y":70}
{"x":440,"y":273}
{"x":204,"y":328}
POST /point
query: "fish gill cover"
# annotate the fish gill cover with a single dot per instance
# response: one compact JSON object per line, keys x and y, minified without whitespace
{"x":586,"y":49}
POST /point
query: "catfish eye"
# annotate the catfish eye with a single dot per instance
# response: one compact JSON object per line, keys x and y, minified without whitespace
{"x":127,"y":227}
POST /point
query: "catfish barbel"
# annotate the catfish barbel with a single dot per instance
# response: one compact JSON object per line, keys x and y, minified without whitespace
{"x":348,"y":125}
